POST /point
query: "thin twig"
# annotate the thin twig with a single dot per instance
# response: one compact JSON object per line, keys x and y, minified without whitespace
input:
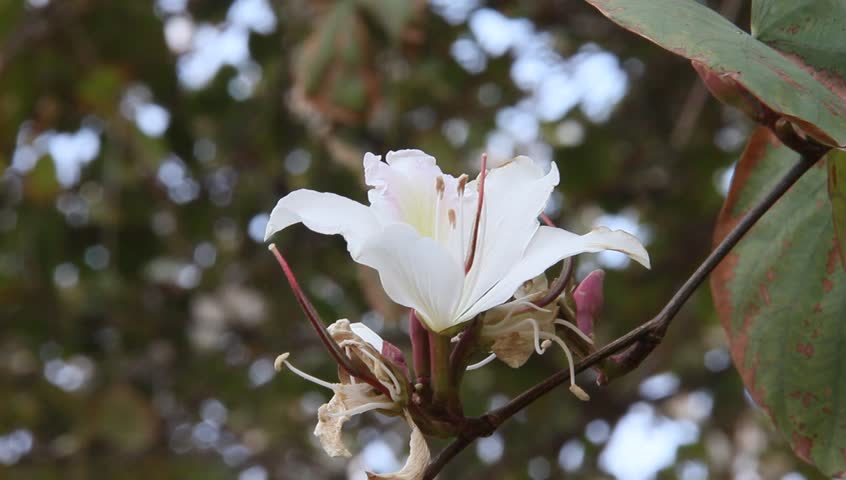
{"x":651,"y":332}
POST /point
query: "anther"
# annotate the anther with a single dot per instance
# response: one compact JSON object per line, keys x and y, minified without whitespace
{"x":279,"y":364}
{"x":451,"y":216}
{"x":579,"y":393}
{"x":462,"y":183}
{"x":440,"y":186}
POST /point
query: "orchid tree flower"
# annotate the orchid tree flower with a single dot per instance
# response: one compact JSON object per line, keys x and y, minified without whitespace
{"x":448,"y":248}
{"x":364,"y":347}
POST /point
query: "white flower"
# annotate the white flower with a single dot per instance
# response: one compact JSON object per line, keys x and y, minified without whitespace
{"x":351,"y":397}
{"x":421,"y":231}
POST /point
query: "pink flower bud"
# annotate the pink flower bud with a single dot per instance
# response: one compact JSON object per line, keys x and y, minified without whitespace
{"x":589,"y":301}
{"x":394,"y":354}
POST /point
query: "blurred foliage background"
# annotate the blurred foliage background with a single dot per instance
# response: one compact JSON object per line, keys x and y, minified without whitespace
{"x":144,"y":143}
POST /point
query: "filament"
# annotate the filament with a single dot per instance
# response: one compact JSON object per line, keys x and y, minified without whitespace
{"x":395,"y":383}
{"x":566,"y":352}
{"x":363,"y":408}
{"x":490,"y":358}
{"x":575,"y":329}
{"x":283,"y":360}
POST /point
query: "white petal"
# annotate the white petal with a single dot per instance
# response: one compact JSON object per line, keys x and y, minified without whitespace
{"x":418,"y":458}
{"x":324,"y":213}
{"x":404,"y":187}
{"x":416,"y":272}
{"x":551,"y":245}
{"x":365,"y":333}
{"x":515,"y":194}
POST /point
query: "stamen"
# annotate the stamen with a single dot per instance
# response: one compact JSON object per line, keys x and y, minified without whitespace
{"x":475,"y":238}
{"x":537,"y":333}
{"x":363,"y":408}
{"x":282,"y":360}
{"x":462,"y":182}
{"x":531,"y":306}
{"x":567,"y":353}
{"x":575,"y":329}
{"x":514,"y":327}
{"x":395,"y":383}
{"x":579,"y":393}
{"x":490,"y":358}
{"x":451,"y":216}
{"x":440,"y":186}
{"x":279,"y":363}
{"x":546,"y":344}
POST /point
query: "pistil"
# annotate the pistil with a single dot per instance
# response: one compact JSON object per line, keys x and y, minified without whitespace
{"x":319,"y":327}
{"x":480,"y":206}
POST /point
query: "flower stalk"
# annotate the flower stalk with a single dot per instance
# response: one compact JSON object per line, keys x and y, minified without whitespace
{"x":439,"y":352}
{"x":419,"y":349}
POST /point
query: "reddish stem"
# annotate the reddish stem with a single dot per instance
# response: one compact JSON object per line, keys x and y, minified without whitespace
{"x":419,"y":348}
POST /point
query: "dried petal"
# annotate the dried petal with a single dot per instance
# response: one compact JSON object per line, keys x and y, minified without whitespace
{"x":514,"y":348}
{"x":418,"y":457}
{"x":328,"y":430}
{"x":364,"y":347}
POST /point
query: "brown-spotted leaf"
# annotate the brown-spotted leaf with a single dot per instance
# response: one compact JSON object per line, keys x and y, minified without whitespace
{"x":810,"y":32}
{"x":781,"y":297}
{"x":696,"y":32}
{"x":836,"y":160}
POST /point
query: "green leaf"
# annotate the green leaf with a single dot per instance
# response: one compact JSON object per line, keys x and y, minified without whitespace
{"x":696,"y":32}
{"x":837,"y":194}
{"x":813,"y":32}
{"x":781,"y":297}
{"x":393,"y":16}
{"x":335,"y":72}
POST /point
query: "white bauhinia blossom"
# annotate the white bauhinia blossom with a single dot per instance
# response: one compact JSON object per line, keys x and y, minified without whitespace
{"x":419,"y":232}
